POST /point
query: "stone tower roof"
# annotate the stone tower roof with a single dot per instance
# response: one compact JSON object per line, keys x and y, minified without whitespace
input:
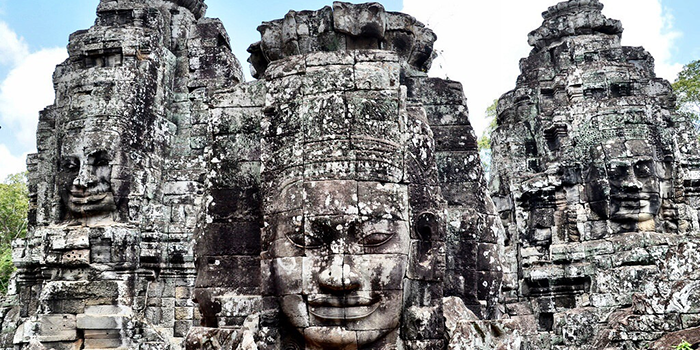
{"x":197,"y":7}
{"x":343,"y":27}
{"x":577,"y":17}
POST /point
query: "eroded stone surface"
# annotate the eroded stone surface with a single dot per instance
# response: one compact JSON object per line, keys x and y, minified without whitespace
{"x":593,"y":178}
{"x":116,"y":185}
{"x":339,"y":200}
{"x":344,"y":26}
{"x":340,"y":157}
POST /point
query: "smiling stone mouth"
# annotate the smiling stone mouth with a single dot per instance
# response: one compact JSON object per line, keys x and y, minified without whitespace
{"x":342,"y":308}
{"x":633,"y":196}
{"x":86,"y":198}
{"x":633,"y":202}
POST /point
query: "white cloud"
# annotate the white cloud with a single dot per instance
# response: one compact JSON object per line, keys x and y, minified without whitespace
{"x":651,"y":26}
{"x":10,"y":163}
{"x":27,"y":90}
{"x":12,"y":48}
{"x":481,"y":42}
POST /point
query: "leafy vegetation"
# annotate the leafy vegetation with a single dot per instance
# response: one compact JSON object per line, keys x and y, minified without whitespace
{"x":683,"y":346}
{"x":687,"y":90}
{"x":484,"y":141}
{"x":14,"y":205}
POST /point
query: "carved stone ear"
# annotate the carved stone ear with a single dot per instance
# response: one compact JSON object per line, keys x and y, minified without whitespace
{"x":426,"y":227}
{"x":427,"y":249}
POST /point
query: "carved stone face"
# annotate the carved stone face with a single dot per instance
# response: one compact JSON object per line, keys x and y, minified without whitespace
{"x":629,"y":185}
{"x":338,"y":263}
{"x":634,"y":189}
{"x":85,"y":173}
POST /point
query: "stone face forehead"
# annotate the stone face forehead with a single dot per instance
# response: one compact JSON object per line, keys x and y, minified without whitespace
{"x":90,"y":141}
{"x":618,"y":141}
{"x":363,"y":198}
{"x":335,"y":115}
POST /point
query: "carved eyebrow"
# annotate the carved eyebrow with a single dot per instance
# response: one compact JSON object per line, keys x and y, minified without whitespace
{"x":69,"y":160}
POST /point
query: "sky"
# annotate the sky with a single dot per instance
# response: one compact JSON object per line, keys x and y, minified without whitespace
{"x":479,"y":43}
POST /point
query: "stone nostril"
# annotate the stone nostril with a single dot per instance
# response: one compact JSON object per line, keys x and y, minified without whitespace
{"x":79,"y":182}
{"x":351,"y":282}
{"x":632,"y":183}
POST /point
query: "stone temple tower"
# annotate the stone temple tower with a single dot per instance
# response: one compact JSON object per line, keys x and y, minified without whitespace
{"x":594,"y":178}
{"x":347,"y":204}
{"x":117,"y":181}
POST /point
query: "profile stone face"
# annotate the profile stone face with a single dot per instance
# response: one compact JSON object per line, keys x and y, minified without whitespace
{"x":593,"y":176}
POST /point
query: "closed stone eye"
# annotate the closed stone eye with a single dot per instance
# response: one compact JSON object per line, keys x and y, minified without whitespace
{"x":376,"y":239}
{"x":70,"y":164}
{"x":301,"y":240}
{"x":643,"y":169}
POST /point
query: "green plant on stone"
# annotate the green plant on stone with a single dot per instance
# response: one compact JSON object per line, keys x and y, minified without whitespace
{"x":14,"y":204}
{"x":683,"y":346}
{"x":484,"y":141}
{"x":7,"y":268}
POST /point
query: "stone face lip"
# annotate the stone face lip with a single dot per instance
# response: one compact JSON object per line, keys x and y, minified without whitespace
{"x":343,"y":27}
{"x":578,"y":17}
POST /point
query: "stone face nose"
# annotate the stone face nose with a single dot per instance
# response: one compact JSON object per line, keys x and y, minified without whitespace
{"x":338,"y":276}
{"x":86,"y":176}
{"x":632,"y":183}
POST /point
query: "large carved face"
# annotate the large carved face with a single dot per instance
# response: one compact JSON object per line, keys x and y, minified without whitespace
{"x":628,"y":182}
{"x":634,"y":189}
{"x":338,"y":263}
{"x":85,"y":173}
